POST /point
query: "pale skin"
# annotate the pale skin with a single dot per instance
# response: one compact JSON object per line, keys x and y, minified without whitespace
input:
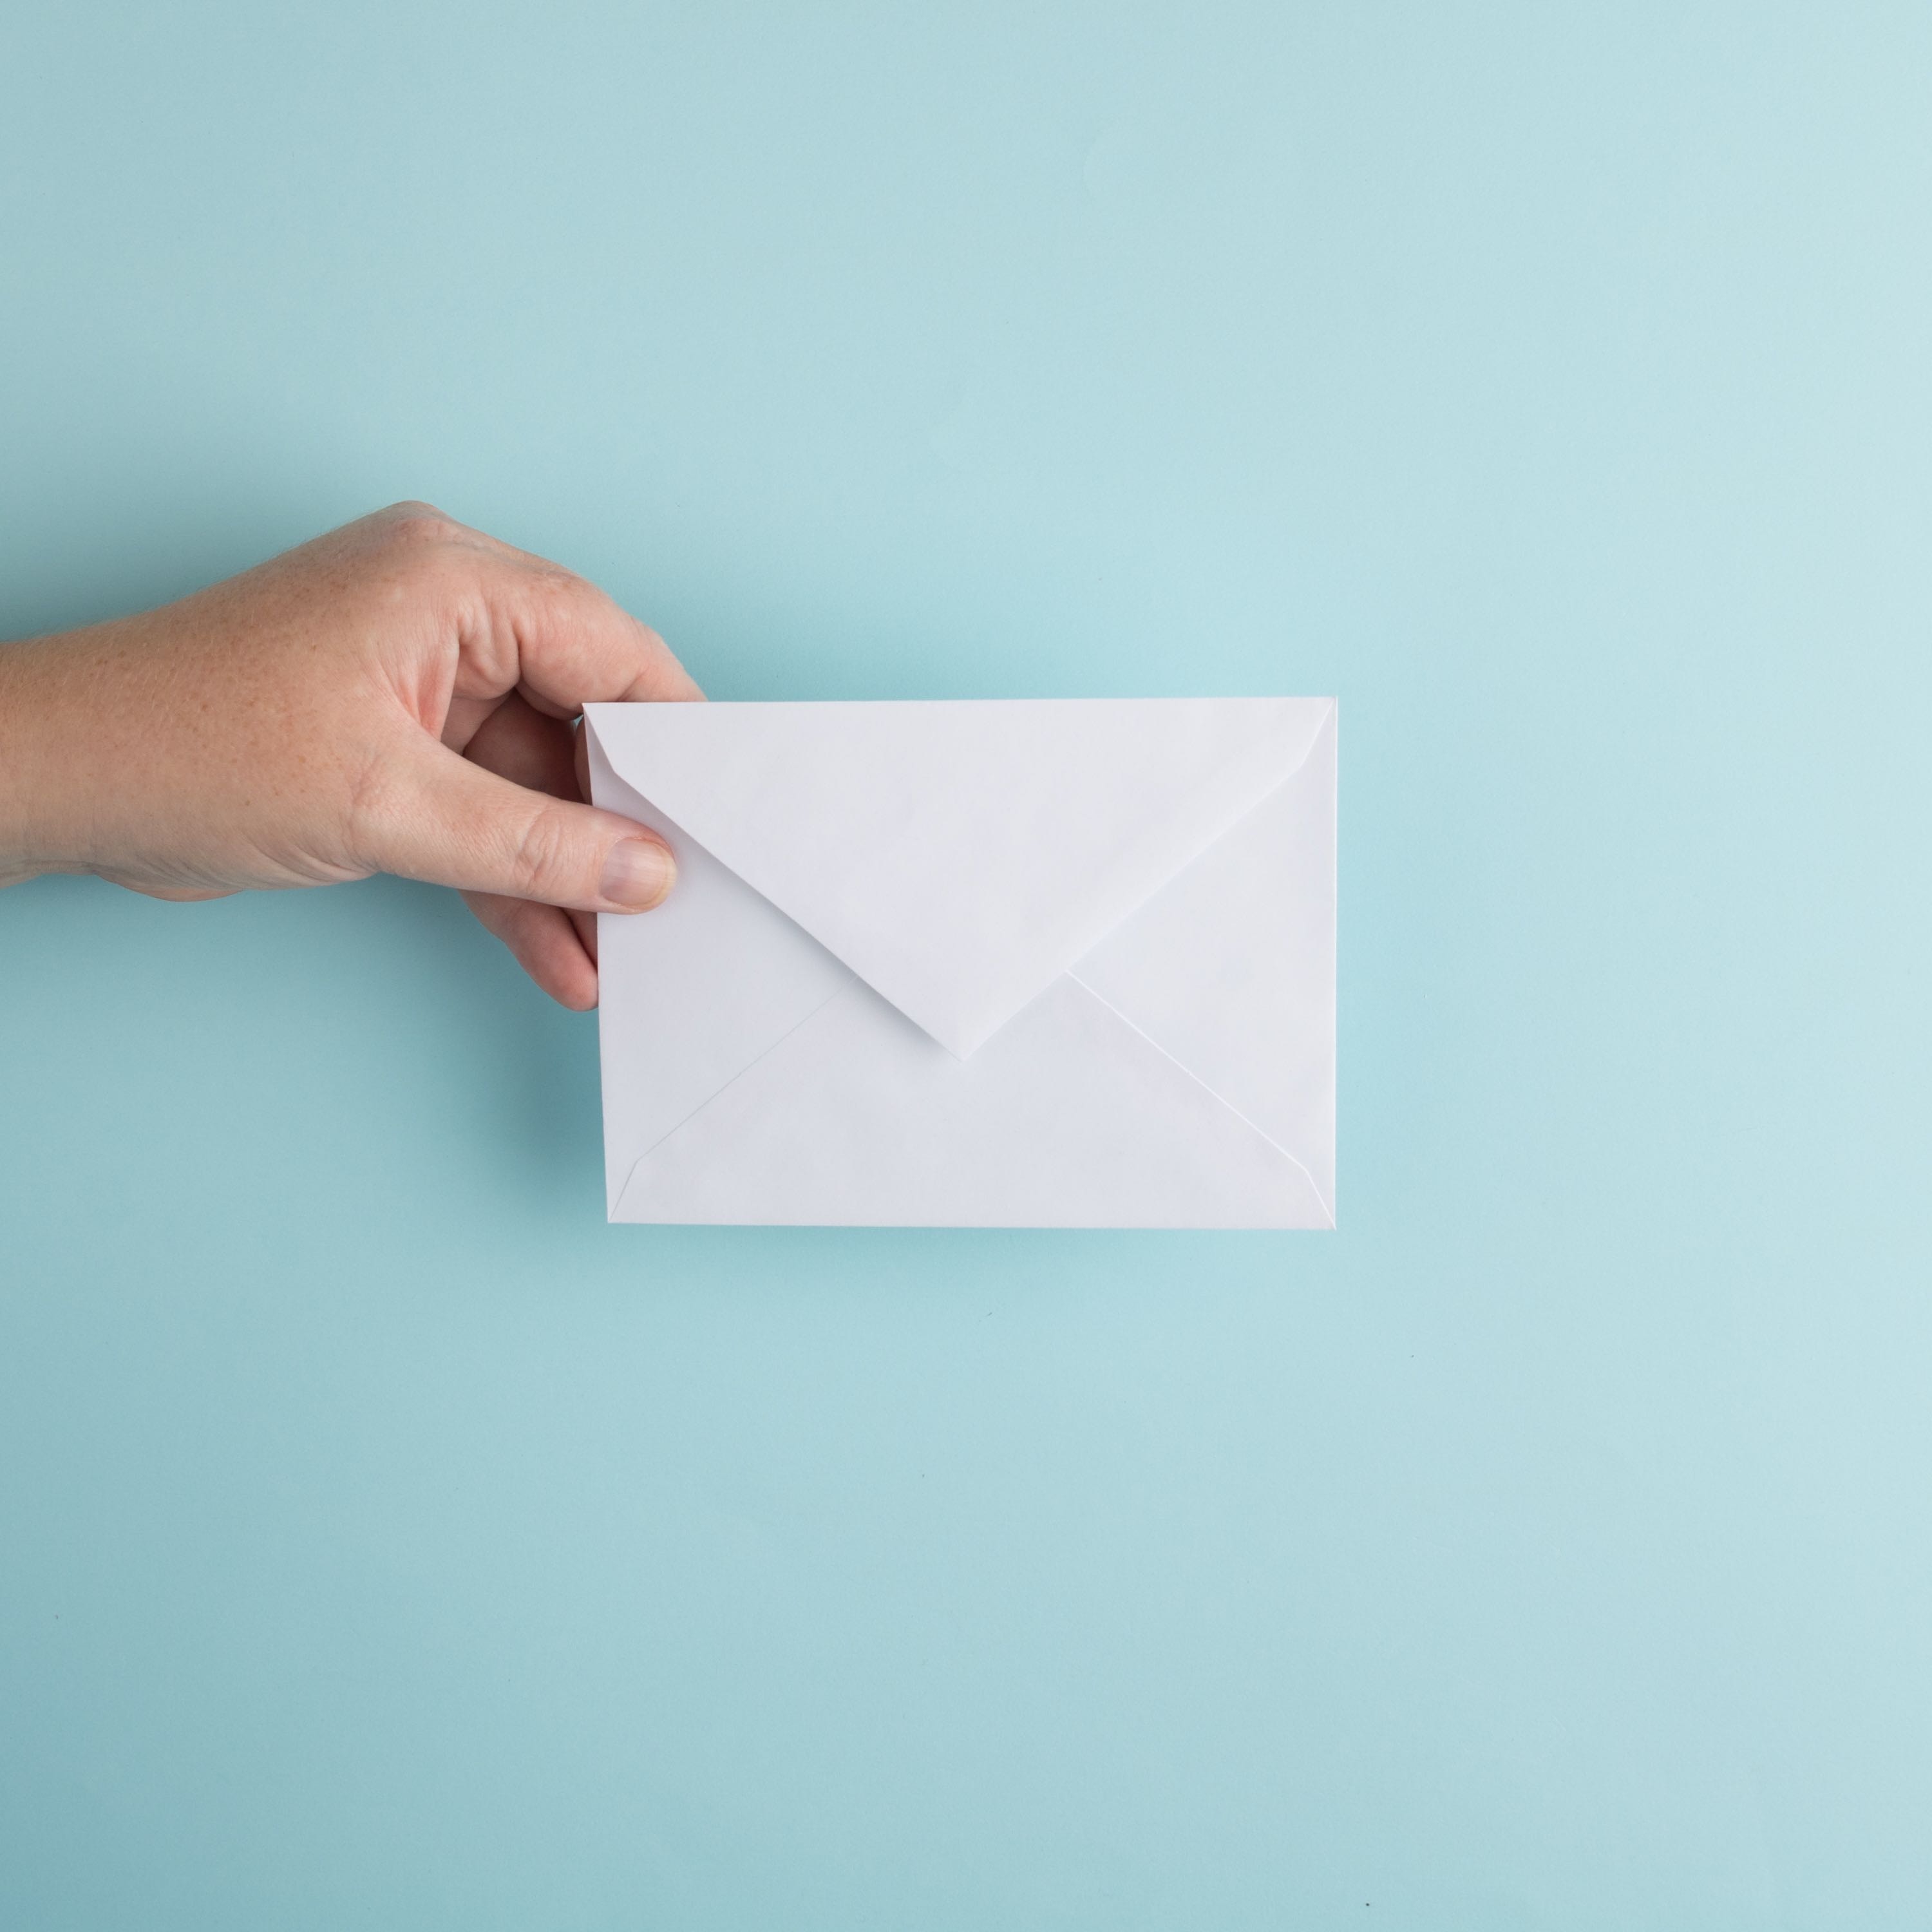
{"x":398,"y":696}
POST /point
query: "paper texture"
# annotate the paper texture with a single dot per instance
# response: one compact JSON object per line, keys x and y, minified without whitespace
{"x":1024,"y":963}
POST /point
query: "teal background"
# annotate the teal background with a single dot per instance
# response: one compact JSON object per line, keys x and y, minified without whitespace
{"x":386,"y":1541}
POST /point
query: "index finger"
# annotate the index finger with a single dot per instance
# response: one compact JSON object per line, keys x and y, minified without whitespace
{"x":562,"y":643}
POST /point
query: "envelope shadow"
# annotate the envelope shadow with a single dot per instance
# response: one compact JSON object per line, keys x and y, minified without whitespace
{"x":518,"y":1073}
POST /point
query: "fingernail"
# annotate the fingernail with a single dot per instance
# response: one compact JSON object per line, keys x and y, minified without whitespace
{"x":638,"y":874}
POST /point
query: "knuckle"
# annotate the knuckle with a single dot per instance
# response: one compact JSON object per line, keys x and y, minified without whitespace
{"x":563,"y":595}
{"x":418,"y":540}
{"x":413,"y":521}
{"x":556,"y":611}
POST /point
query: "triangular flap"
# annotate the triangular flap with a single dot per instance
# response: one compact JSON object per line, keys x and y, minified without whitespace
{"x":958,"y":856}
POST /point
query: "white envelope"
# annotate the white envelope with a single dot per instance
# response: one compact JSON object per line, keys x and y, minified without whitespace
{"x":1067,"y":963}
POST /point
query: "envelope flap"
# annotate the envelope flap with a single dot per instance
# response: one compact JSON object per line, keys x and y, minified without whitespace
{"x":958,"y":855}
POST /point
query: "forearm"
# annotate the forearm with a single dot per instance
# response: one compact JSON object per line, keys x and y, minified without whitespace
{"x":39,"y":828}
{"x":112,"y":760}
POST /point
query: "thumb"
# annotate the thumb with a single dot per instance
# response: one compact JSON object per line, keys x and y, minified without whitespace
{"x":448,"y":821}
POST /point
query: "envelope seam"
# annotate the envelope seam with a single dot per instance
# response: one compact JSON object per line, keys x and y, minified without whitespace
{"x":717,"y":1093}
{"x":1260,"y":1133}
{"x":1226,"y":830}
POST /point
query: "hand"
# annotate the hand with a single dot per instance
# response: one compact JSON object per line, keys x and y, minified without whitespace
{"x":398,"y":696}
